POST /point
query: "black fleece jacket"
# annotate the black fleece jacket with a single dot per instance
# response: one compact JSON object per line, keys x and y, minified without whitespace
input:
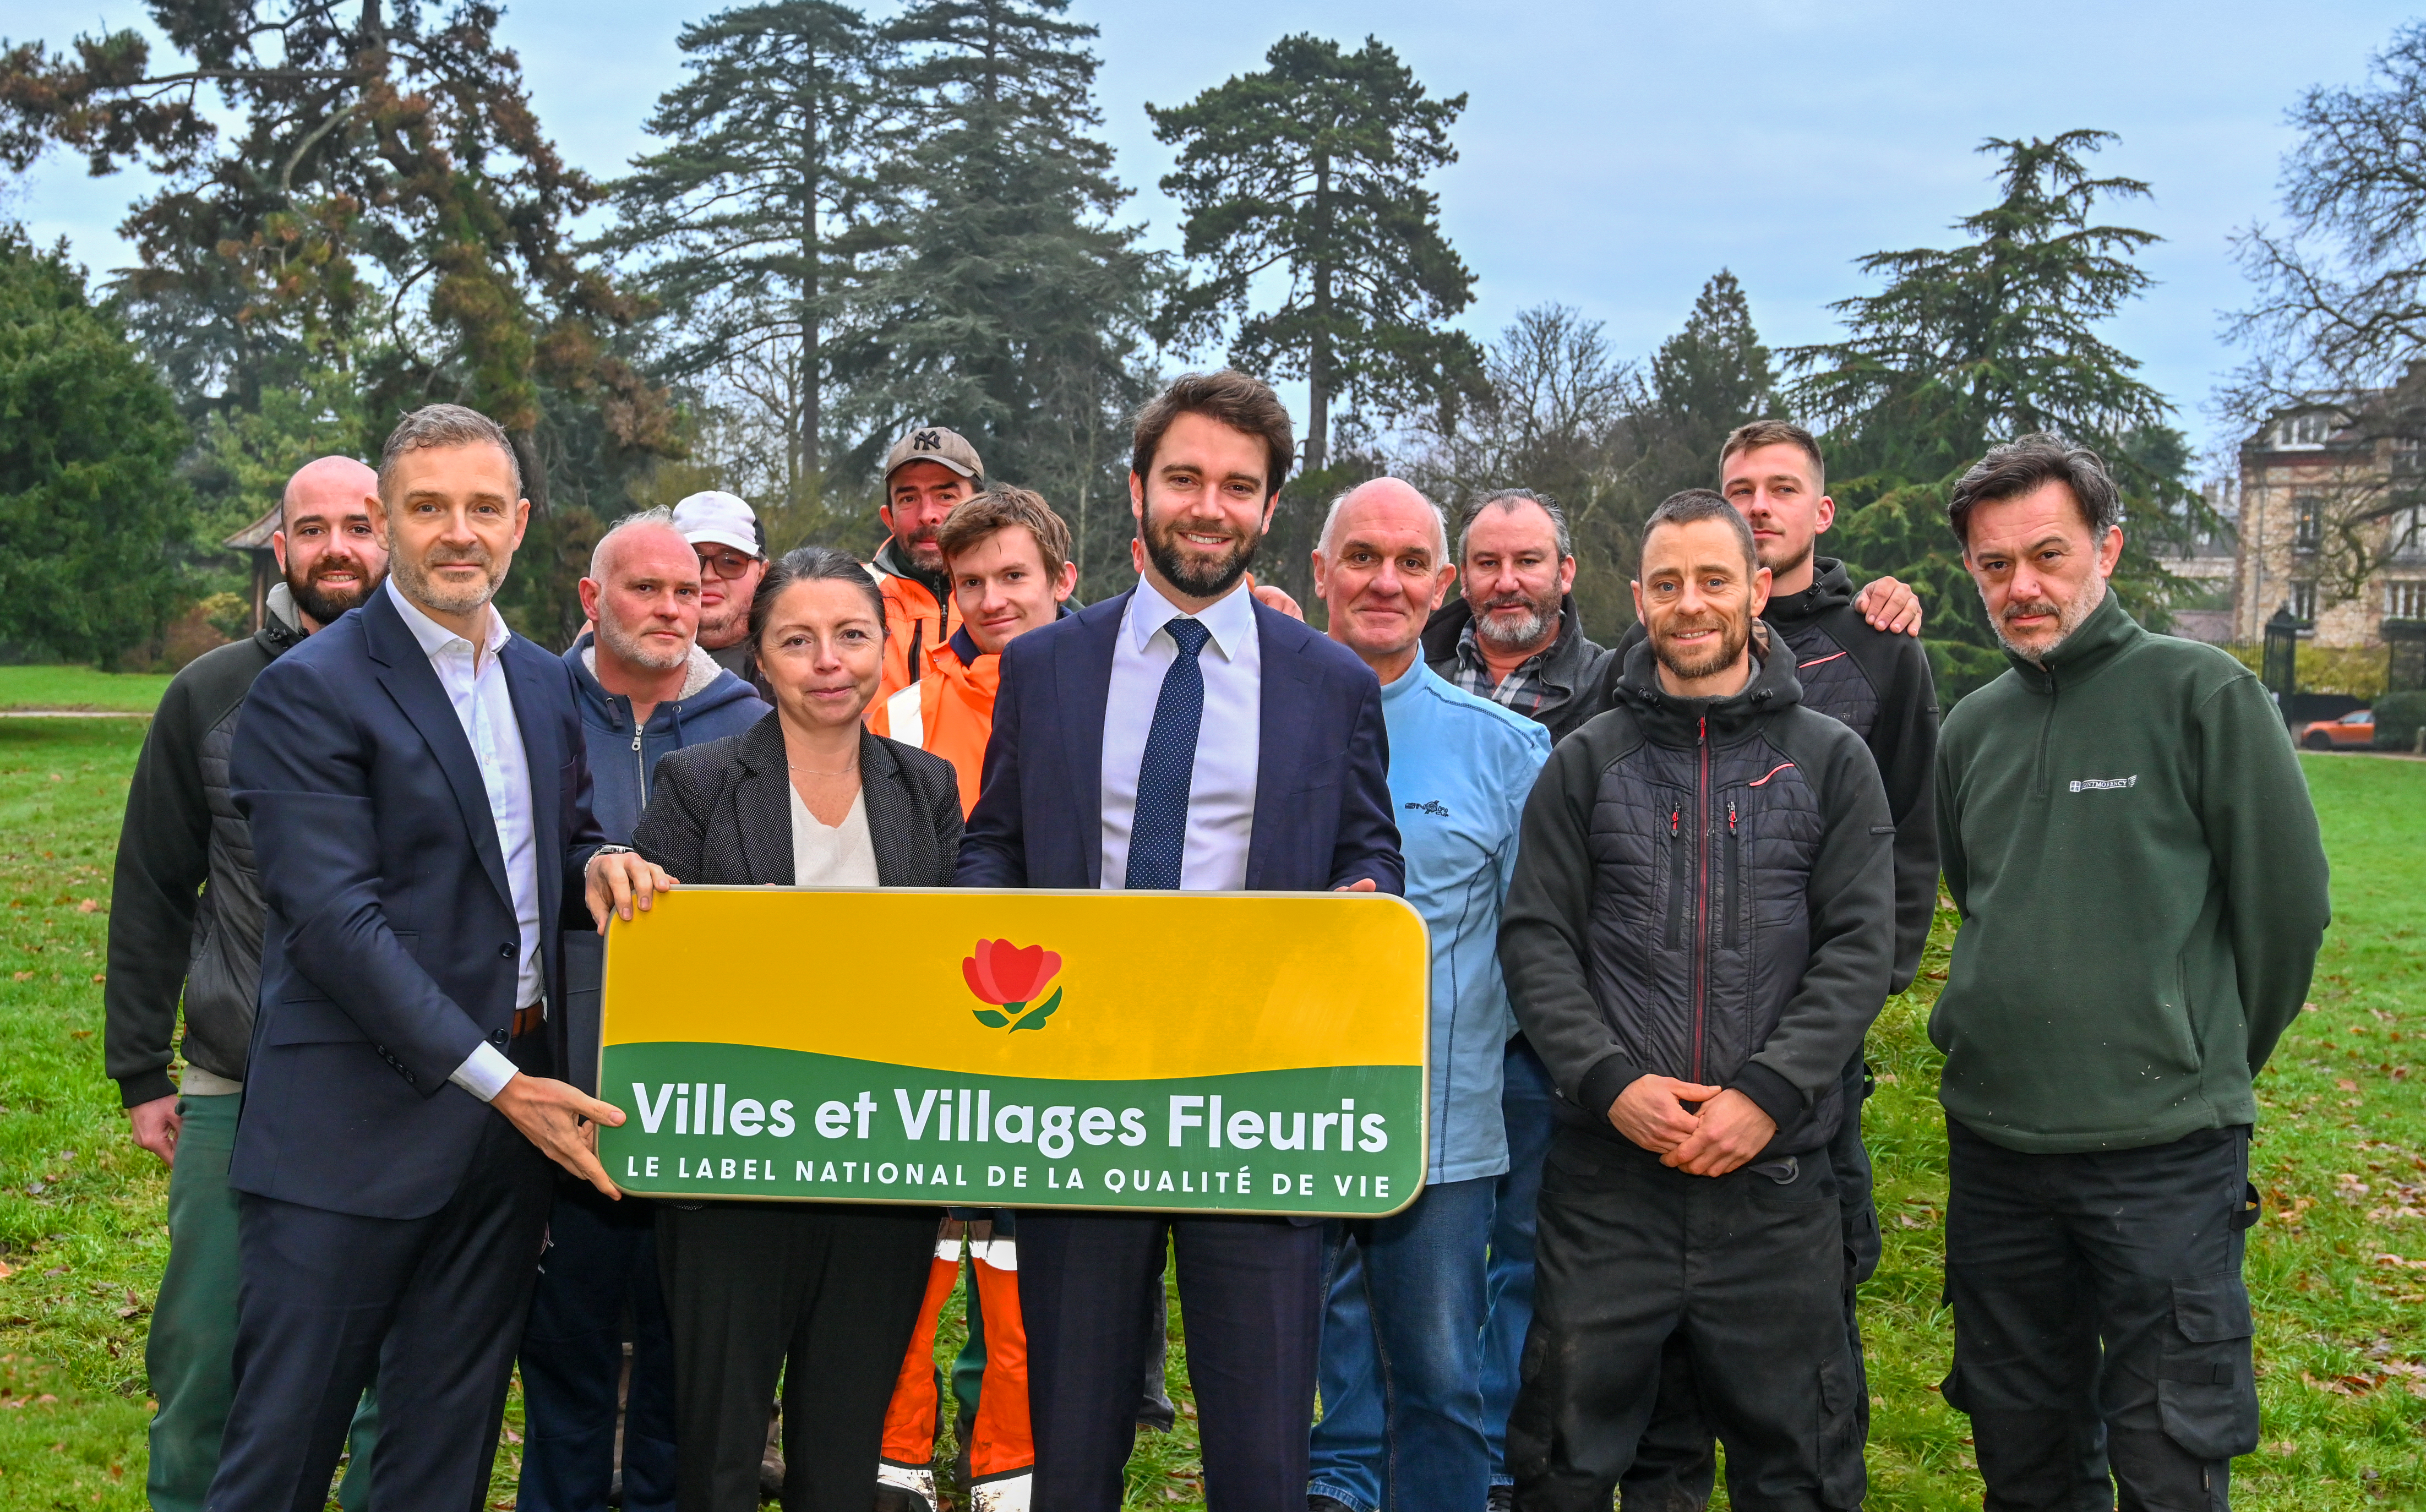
{"x":185,"y":907}
{"x":1879,"y":686}
{"x":1704,"y":890}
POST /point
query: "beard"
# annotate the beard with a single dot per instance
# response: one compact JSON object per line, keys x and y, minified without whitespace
{"x":1197,"y":577}
{"x":1734,"y":635}
{"x":1515,"y":635}
{"x":414,"y":578}
{"x":2068,"y":615}
{"x":326,"y":605}
{"x":727,"y":623}
{"x":632,"y":648}
{"x":1784,"y":564}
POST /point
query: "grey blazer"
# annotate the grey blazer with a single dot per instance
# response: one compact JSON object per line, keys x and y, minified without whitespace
{"x":722,"y":812}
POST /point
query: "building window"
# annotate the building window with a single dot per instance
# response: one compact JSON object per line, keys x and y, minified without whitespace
{"x":2308,"y":521}
{"x":2310,"y":429}
{"x":2408,"y":539}
{"x":2404,"y":601}
{"x":2304,"y":601}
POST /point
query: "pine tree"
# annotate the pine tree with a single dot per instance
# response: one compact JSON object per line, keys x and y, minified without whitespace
{"x":1010,"y":308}
{"x":1315,"y":166}
{"x":750,"y":224}
{"x":370,"y":189}
{"x":1981,"y":342}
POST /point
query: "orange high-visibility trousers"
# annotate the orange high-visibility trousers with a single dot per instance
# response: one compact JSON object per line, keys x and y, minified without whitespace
{"x":1002,"y":1453}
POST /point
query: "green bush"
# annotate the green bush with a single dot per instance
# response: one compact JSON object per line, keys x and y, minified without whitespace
{"x":2397,"y":718}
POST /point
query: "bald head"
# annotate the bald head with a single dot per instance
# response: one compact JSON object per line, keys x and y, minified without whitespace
{"x":1389,"y":494}
{"x":643,"y":595}
{"x":327,"y":483}
{"x":324,"y":543}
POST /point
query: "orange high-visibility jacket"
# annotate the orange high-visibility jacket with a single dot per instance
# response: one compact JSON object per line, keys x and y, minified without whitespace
{"x":949,"y":711}
{"x":915,"y":624}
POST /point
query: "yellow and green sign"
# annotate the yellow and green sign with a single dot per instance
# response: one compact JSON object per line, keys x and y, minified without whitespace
{"x":1215,"y":1052}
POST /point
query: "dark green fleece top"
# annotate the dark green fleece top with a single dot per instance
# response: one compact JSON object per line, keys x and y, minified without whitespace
{"x":2128,"y":837}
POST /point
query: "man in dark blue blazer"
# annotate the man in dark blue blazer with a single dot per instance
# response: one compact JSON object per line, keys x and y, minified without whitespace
{"x":1182,"y":735}
{"x":419,"y":804}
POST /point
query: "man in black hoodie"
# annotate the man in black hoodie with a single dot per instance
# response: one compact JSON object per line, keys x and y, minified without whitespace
{"x":1701,"y":929}
{"x":1877,"y":683}
{"x":184,"y":927}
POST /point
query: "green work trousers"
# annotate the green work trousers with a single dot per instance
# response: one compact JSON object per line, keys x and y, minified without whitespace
{"x":192,"y":1352}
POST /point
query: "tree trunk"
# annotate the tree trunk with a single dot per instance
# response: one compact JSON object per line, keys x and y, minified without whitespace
{"x":1318,"y":367}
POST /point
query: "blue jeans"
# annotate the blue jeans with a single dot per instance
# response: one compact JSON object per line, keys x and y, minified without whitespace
{"x":1527,"y":1101}
{"x":1401,"y":1354}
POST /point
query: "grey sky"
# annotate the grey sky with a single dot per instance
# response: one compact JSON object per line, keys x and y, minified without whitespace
{"x":1615,"y":156}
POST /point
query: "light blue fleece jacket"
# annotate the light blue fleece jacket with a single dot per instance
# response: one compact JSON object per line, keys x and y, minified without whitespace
{"x":1461,"y":768}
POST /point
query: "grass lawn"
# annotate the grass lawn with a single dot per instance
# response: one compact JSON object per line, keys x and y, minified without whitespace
{"x":80,"y":688}
{"x":2337,"y":1268}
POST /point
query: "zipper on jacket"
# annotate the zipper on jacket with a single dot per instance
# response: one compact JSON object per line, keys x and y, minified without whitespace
{"x":1733,"y":903}
{"x":2046,"y":735}
{"x":1679,"y":877}
{"x":640,"y":763}
{"x":1701,"y":888}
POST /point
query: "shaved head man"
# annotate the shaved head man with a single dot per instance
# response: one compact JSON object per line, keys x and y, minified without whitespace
{"x":185,"y":858}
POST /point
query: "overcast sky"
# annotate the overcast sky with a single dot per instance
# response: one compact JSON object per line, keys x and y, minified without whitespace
{"x":1614,"y":155}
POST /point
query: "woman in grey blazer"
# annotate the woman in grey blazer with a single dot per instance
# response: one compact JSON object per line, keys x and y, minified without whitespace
{"x":823,"y":1294}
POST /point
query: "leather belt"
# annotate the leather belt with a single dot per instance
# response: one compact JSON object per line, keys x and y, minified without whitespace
{"x":527,"y":1020}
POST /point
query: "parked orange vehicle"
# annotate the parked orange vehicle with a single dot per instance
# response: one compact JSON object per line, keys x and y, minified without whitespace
{"x":2356,"y":729}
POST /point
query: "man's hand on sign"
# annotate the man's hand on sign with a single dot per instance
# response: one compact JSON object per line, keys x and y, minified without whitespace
{"x":1651,"y":1112}
{"x":1733,"y":1130}
{"x":1363,"y":884}
{"x":562,"y":1122}
{"x":616,"y":881}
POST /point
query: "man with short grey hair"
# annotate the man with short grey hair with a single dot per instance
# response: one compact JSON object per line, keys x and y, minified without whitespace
{"x":1405,"y":1297}
{"x":2128,"y":842}
{"x":419,"y":800}
{"x":644,"y":688}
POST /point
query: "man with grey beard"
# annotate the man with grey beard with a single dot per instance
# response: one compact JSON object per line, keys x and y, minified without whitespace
{"x":644,"y":688}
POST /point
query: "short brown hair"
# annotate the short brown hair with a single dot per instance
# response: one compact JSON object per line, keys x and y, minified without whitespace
{"x":1242,"y":403}
{"x":1693,"y":507}
{"x":1754,"y":434}
{"x":2023,"y":466}
{"x":977,"y":518}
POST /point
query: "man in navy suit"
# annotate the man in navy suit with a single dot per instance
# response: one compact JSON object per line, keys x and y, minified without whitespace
{"x":419,"y":803}
{"x":1181,"y":736}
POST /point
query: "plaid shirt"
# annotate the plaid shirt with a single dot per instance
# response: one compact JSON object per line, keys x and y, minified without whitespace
{"x":1522,"y":690}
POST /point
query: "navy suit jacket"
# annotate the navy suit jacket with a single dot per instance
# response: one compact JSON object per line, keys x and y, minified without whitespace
{"x":1322,"y":789}
{"x":389,"y":949}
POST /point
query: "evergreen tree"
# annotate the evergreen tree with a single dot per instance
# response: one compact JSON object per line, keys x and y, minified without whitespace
{"x":1315,"y":166}
{"x":92,"y":514}
{"x":370,"y":189}
{"x":749,"y":223}
{"x":1981,"y":342}
{"x":1009,"y":307}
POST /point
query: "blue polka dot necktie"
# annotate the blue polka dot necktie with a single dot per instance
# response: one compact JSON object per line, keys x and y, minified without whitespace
{"x":1158,"y":833}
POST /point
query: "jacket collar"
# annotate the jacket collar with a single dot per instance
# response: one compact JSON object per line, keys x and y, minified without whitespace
{"x":281,"y":624}
{"x":1675,"y":721}
{"x":889,"y":563}
{"x":1832,"y":587}
{"x":2108,"y":633}
{"x":762,"y":801}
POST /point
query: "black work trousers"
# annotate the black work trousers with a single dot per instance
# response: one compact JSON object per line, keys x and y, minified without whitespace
{"x":1678,"y":1462}
{"x":822,"y":1296}
{"x":430,"y":1307}
{"x":2101,"y":1322}
{"x":1250,"y":1301}
{"x":1747,"y":1269}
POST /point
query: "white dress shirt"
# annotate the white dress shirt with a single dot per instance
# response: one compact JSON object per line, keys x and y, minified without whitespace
{"x":1229,"y":742}
{"x":475,"y":685}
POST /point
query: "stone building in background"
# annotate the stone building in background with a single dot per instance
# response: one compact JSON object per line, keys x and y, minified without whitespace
{"x":2330,"y":515}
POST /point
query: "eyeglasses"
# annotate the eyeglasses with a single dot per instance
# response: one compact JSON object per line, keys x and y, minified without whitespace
{"x":729,"y":564}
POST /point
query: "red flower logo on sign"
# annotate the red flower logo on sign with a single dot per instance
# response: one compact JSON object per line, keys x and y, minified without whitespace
{"x":1008,"y":977}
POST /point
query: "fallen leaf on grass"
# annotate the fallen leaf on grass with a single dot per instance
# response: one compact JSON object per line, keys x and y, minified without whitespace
{"x":2345,"y":1084}
{"x":87,"y":906}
